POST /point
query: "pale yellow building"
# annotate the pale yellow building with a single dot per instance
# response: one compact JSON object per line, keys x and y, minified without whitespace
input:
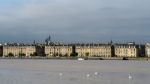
{"x":58,"y":50}
{"x":147,"y":49}
{"x":79,"y":50}
{"x":17,"y":50}
{"x":94,"y":50}
{"x":126,"y":50}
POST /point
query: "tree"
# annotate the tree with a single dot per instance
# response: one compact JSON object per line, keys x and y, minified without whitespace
{"x":1,"y":54}
{"x":60,"y":55}
{"x":87,"y":54}
{"x":34,"y":54}
{"x":10,"y":54}
{"x":44,"y":55}
{"x":22,"y":54}
{"x":31,"y":54}
{"x":66,"y":55}
{"x":55,"y":54}
{"x":74,"y":54}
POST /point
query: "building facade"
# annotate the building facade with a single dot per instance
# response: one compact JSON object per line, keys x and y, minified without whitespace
{"x":76,"y":50}
{"x":141,"y":50}
{"x":40,"y":50}
{"x":58,"y":50}
{"x":18,"y":50}
{"x":126,"y":50}
{"x":1,"y":50}
{"x":147,"y":49}
{"x":94,"y":50}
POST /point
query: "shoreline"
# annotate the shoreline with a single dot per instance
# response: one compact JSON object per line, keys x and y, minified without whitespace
{"x":76,"y":58}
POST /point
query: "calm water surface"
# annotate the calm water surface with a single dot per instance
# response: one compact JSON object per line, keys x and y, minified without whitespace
{"x":17,"y":71}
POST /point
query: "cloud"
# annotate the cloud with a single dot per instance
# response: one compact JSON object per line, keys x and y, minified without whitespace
{"x":81,"y":20}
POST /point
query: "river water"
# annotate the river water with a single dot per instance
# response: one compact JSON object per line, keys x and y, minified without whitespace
{"x":27,"y":71}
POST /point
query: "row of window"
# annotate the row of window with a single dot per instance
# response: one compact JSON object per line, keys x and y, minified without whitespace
{"x":125,"y":46}
{"x":58,"y":50}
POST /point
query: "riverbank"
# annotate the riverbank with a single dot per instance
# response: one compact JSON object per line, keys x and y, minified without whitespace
{"x":76,"y":58}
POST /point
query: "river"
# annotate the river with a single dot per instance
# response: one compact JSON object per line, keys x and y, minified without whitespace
{"x":36,"y":71}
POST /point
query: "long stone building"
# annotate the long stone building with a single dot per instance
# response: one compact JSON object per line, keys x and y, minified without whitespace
{"x":76,"y":49}
{"x":94,"y":50}
{"x":18,"y":50}
{"x":58,"y":50}
{"x":126,"y":50}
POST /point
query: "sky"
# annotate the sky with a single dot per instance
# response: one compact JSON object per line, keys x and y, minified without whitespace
{"x":75,"y":20}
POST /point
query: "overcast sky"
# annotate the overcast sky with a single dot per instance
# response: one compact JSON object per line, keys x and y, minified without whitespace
{"x":75,"y":20}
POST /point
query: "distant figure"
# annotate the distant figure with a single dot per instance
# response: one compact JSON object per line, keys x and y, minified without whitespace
{"x":88,"y":75}
{"x":130,"y":77}
{"x":60,"y":74}
{"x":96,"y":73}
